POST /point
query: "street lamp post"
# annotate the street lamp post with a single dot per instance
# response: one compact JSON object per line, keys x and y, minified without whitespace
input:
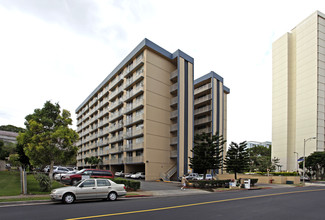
{"x":297,"y":161}
{"x":303,"y":169}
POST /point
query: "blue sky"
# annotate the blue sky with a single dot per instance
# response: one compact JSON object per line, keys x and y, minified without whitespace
{"x":61,"y":50}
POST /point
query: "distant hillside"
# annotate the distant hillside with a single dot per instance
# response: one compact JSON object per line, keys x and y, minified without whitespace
{"x":11,"y":128}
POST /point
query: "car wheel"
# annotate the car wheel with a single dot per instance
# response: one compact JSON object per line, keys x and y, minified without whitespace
{"x":68,"y":198}
{"x":74,"y":181}
{"x":112,"y":196}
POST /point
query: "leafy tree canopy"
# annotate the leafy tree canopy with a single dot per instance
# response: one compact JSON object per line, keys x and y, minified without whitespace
{"x":93,"y":160}
{"x":260,"y":159}
{"x":207,"y":152}
{"x":315,"y":164}
{"x":48,"y":138}
{"x":11,"y":128}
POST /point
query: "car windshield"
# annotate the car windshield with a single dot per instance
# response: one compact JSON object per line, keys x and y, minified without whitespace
{"x":77,"y":183}
{"x":80,"y":171}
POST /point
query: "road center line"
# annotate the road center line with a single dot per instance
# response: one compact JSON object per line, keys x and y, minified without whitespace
{"x":193,"y":204}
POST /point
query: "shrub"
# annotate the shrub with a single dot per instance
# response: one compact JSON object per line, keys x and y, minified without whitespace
{"x":44,"y":182}
{"x":129,"y":184}
{"x":278,"y":173}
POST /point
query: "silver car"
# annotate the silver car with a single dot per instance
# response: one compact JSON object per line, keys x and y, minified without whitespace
{"x":89,"y":189}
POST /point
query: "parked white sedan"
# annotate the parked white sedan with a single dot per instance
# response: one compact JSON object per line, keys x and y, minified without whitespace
{"x":89,"y":189}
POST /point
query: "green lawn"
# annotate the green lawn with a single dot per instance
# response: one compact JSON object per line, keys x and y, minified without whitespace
{"x":10,"y":184}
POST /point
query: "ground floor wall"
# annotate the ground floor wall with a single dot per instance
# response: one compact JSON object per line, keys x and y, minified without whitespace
{"x":262,"y":179}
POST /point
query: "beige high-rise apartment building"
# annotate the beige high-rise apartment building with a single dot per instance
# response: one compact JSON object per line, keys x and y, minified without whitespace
{"x":298,"y":101}
{"x":210,"y":106}
{"x":141,"y":117}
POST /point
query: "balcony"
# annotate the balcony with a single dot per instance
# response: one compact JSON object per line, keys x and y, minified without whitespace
{"x":174,"y":74}
{"x":174,"y":114}
{"x":174,"y":101}
{"x":135,"y":106}
{"x":173,"y":88}
{"x":134,"y":120}
{"x":116,"y":115}
{"x":173,"y":154}
{"x":202,"y":88}
{"x":116,"y":81}
{"x":102,"y":142}
{"x":173,"y":140}
{"x":203,"y":110}
{"x":115,"y":150}
{"x":202,"y":99}
{"x":116,"y":92}
{"x":115,"y":127}
{"x":103,"y":151}
{"x":133,"y":133}
{"x":133,"y":80}
{"x":137,"y":159}
{"x":103,"y":122}
{"x":132,"y":68}
{"x":135,"y":146}
{"x":103,"y":102}
{"x":116,"y":104}
{"x":202,"y":120}
{"x":93,"y":101}
{"x":173,"y":127}
{"x":116,"y":161}
{"x":116,"y":138}
{"x":205,"y":130}
{"x":103,"y":132}
{"x":133,"y":93}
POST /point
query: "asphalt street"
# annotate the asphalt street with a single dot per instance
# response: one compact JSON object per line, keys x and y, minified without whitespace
{"x":277,"y":203}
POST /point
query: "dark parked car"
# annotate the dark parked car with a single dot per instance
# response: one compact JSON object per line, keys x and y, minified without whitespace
{"x":85,"y":174}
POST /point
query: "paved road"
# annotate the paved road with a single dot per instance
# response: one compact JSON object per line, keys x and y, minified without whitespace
{"x":278,"y":203}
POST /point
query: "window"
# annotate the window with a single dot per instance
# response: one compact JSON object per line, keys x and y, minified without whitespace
{"x":103,"y":183}
{"x":88,"y":183}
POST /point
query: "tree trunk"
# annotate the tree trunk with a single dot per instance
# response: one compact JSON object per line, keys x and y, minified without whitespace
{"x":235,"y":175}
{"x":51,"y":170}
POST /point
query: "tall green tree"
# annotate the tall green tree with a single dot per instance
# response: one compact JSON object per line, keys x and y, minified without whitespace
{"x":315,"y":164}
{"x":260,"y":159}
{"x":93,"y":161}
{"x":207,"y":152}
{"x":48,"y":138}
{"x":237,"y":158}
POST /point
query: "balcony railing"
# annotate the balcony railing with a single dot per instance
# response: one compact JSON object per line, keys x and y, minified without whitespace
{"x":116,"y":161}
{"x":134,"y":146}
{"x":137,"y":159}
{"x":116,"y":115}
{"x":202,"y":110}
{"x":202,"y":120}
{"x":202,"y":99}
{"x":173,"y":154}
{"x":173,"y":140}
{"x":133,"y":133}
{"x":174,"y":101}
{"x":116,"y":92}
{"x":173,"y":74}
{"x":173,"y":87}
{"x":133,"y":93}
{"x":135,"y":119}
{"x":174,"y":114}
{"x":202,"y":88}
{"x":134,"y":106}
{"x":116,"y":138}
{"x":116,"y":104}
{"x":133,"y":79}
{"x":205,"y":130}
{"x":174,"y":127}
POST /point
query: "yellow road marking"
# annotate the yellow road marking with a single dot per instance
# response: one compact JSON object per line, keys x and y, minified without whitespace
{"x":193,"y":204}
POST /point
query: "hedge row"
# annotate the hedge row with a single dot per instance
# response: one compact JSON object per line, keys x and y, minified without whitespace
{"x":278,"y":173}
{"x":129,"y":184}
{"x":209,"y":184}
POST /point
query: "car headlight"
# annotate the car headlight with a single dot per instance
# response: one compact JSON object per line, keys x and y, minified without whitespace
{"x":53,"y":191}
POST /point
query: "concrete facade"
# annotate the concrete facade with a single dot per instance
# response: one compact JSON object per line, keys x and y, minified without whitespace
{"x":298,"y":91}
{"x":141,"y":117}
